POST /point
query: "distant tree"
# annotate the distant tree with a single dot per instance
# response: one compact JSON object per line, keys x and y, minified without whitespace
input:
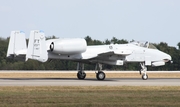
{"x":122,"y":41}
{"x":97,"y":42}
{"x":163,"y":47}
{"x":51,"y":37}
{"x":114,"y":40}
{"x":107,"y":42}
{"x":89,"y":40}
{"x":178,"y":45}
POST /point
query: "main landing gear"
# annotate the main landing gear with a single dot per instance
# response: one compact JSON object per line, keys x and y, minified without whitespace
{"x":81,"y":74}
{"x":100,"y":75}
{"x":144,"y":69}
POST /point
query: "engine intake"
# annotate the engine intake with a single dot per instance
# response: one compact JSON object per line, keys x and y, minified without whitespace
{"x":68,"y":46}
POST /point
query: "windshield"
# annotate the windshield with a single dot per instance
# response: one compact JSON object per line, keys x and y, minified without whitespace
{"x":151,"y":46}
{"x":145,"y":44}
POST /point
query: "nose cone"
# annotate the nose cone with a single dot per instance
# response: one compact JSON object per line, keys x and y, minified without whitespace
{"x":167,"y":57}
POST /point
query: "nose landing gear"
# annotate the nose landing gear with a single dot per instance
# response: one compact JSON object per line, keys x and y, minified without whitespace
{"x":144,"y":69}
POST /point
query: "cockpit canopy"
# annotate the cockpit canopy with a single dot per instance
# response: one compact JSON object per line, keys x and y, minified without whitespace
{"x":144,"y":44}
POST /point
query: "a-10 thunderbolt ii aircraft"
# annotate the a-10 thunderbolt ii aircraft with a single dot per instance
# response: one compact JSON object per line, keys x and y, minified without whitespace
{"x":76,"y":49}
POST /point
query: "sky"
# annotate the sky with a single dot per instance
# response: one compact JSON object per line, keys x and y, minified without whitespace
{"x":141,"y":20}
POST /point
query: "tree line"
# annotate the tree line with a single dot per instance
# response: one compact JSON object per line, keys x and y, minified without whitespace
{"x":10,"y":64}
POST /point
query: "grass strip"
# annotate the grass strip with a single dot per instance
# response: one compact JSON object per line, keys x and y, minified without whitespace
{"x":89,"y":96}
{"x":89,"y":75}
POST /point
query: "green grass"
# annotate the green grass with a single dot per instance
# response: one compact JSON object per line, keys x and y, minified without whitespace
{"x":88,"y":96}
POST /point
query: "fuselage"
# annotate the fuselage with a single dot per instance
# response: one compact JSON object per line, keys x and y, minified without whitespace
{"x":115,"y":54}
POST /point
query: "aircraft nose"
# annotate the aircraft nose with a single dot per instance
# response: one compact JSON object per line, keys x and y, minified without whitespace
{"x":167,"y":58}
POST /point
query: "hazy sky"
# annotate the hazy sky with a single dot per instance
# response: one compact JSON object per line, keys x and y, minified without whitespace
{"x":145,"y":20}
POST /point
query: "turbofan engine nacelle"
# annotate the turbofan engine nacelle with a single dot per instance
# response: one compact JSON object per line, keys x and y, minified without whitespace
{"x":68,"y":46}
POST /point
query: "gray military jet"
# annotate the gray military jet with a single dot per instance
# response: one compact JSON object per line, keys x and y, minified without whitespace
{"x":76,"y":49}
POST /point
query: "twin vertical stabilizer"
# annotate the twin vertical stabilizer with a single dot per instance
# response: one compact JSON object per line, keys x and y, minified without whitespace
{"x":17,"y":45}
{"x":37,"y":46}
{"x":36,"y":50}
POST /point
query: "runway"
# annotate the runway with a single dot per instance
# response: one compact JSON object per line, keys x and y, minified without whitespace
{"x":89,"y":82}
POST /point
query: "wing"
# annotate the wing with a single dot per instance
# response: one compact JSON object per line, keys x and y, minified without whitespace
{"x":116,"y":52}
{"x":112,"y":57}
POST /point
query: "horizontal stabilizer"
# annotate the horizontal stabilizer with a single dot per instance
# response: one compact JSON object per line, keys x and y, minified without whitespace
{"x":37,"y":46}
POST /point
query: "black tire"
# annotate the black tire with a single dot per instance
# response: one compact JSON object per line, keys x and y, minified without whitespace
{"x":144,"y":77}
{"x":100,"y":75}
{"x":81,"y":76}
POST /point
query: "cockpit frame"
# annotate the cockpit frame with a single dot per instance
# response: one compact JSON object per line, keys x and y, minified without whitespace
{"x":144,"y":44}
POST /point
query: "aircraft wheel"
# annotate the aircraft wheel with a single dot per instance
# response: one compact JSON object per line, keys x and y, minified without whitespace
{"x":144,"y":77}
{"x":81,"y":75}
{"x":100,"y":75}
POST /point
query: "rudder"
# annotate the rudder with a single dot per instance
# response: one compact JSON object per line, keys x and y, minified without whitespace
{"x":37,"y":46}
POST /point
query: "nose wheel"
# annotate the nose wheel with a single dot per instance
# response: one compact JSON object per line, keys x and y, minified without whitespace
{"x":144,"y":77}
